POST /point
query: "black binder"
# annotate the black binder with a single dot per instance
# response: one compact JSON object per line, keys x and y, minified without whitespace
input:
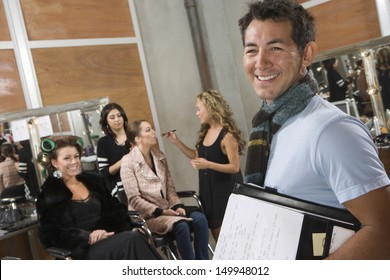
{"x":317,"y":218}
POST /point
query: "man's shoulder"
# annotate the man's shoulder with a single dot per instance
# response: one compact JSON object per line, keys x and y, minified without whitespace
{"x":320,"y":110}
{"x":318,"y":115}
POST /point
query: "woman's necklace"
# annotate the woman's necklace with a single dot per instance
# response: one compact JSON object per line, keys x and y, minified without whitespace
{"x":121,"y":140}
{"x":120,"y":144}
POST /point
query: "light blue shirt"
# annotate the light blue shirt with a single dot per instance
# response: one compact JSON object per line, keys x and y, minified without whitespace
{"x":325,"y":156}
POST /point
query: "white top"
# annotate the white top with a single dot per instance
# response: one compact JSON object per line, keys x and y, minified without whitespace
{"x":325,"y":156}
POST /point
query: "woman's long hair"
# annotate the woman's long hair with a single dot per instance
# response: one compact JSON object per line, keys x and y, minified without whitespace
{"x":133,"y":130}
{"x":103,"y":118}
{"x":8,"y":151}
{"x":220,"y":112}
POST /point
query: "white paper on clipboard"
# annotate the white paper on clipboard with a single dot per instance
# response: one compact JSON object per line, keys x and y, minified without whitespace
{"x":254,"y":229}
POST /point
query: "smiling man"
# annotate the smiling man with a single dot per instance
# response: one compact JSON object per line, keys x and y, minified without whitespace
{"x":301,"y":144}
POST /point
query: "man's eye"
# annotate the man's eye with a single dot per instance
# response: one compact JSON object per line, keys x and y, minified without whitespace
{"x":250,"y":51}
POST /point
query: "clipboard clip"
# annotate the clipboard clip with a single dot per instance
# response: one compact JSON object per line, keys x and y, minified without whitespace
{"x":265,"y":188}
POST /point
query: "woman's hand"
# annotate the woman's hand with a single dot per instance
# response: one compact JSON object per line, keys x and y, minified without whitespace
{"x":199,"y":163}
{"x":170,"y":212}
{"x":181,"y":211}
{"x":98,"y":235}
{"x":171,"y":136}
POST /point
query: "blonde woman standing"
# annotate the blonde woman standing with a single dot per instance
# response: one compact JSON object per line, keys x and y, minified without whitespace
{"x":216,"y":155}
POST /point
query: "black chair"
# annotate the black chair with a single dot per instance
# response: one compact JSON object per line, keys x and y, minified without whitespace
{"x":59,"y":253}
{"x":167,"y":241}
{"x":14,"y":191}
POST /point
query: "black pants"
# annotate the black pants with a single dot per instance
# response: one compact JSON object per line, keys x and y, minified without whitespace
{"x":127,"y":245}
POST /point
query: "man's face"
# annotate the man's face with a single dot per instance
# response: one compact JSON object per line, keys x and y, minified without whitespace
{"x":271,"y":59}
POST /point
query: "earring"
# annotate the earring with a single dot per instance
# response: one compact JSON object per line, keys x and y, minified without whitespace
{"x":57,"y":174}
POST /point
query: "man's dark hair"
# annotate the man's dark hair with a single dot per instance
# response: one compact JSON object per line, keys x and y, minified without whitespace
{"x":303,"y":27}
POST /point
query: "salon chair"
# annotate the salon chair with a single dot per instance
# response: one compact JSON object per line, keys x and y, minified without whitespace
{"x":14,"y":191}
{"x":167,"y":241}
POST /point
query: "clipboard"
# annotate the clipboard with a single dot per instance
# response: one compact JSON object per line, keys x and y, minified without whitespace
{"x":260,"y":223}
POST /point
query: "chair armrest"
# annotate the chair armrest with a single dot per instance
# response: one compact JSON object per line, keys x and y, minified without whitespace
{"x":193,"y":195}
{"x":186,"y":193}
{"x":59,"y":253}
{"x":135,"y":219}
{"x":138,"y":222}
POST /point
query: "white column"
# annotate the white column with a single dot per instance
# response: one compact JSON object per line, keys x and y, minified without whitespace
{"x":383,"y":8}
{"x":23,"y":55}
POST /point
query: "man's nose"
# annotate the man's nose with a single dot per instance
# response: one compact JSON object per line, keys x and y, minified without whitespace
{"x":262,"y":61}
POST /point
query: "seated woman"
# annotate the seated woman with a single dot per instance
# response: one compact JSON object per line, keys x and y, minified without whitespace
{"x":150,"y":191}
{"x":76,"y":211}
{"x":9,"y":176}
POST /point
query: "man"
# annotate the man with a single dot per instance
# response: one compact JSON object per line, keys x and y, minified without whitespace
{"x":302,"y":145}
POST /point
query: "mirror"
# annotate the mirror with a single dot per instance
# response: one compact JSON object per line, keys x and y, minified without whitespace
{"x":357,"y":65}
{"x":78,"y":118}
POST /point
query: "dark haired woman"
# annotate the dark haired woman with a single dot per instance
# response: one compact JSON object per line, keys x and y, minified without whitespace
{"x":9,"y":176}
{"x":76,"y":211}
{"x":113,"y":146}
{"x":150,"y":191}
{"x":338,"y":87}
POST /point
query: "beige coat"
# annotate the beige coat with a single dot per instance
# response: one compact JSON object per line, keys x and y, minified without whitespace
{"x":147,"y":191}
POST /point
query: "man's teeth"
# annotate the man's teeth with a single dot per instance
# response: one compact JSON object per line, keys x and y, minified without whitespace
{"x":266,"y":78}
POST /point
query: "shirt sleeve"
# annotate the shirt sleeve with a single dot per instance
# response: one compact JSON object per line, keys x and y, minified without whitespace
{"x":346,"y":157}
{"x":23,"y":165}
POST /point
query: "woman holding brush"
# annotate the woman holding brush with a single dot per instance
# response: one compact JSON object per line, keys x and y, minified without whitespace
{"x":216,"y":155}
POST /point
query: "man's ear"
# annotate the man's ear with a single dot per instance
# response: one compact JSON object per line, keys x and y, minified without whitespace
{"x":309,"y":54}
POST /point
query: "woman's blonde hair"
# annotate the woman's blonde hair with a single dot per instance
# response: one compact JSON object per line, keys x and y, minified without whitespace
{"x":219,"y":111}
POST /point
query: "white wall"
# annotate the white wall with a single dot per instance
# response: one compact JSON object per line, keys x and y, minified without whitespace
{"x":173,"y":70}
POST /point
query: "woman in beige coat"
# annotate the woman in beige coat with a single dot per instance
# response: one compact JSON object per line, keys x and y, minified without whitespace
{"x":149,"y":188}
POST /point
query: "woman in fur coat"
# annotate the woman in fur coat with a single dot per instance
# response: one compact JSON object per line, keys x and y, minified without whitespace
{"x":76,"y":211}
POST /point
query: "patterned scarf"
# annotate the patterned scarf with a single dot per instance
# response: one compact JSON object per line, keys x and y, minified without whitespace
{"x":267,"y":122}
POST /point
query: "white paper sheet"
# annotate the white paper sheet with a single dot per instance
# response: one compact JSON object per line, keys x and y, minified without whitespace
{"x":253,"y":229}
{"x":339,"y":236}
{"x":19,"y":130}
